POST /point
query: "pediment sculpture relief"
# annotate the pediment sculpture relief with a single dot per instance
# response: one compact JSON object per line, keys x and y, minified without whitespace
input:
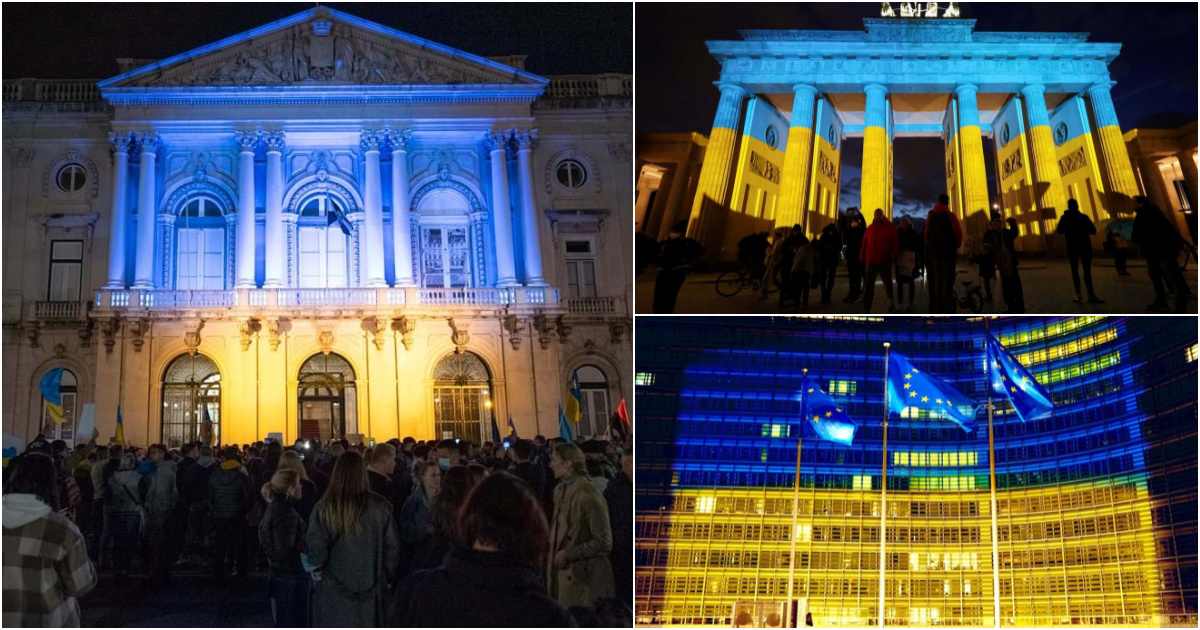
{"x":320,"y":52}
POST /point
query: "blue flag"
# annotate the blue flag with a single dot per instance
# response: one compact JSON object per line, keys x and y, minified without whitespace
{"x":908,"y":386}
{"x":512,"y":430}
{"x":495,"y":431}
{"x":335,"y":216}
{"x":824,"y":415}
{"x":50,"y":387}
{"x":564,"y":426}
{"x":1007,"y":376}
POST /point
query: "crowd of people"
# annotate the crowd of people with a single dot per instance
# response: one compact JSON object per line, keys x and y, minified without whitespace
{"x":405,"y":533}
{"x":794,"y":265}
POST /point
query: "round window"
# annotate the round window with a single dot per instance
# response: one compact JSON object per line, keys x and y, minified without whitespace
{"x":1060,"y":133}
{"x":1004,"y":135}
{"x":571,"y":174}
{"x":71,"y":178}
{"x":772,"y":137}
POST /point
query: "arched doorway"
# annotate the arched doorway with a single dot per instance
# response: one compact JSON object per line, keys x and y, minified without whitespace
{"x":595,"y":405}
{"x":191,"y":401}
{"x":462,"y":398}
{"x":69,"y":389}
{"x":327,"y":405}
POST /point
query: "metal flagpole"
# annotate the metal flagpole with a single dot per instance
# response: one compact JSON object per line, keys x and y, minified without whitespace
{"x":789,"y":622}
{"x":992,"y":478}
{"x":883,"y":504}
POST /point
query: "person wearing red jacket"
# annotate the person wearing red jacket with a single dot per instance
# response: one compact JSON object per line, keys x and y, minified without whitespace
{"x":943,"y":237}
{"x":880,"y":246}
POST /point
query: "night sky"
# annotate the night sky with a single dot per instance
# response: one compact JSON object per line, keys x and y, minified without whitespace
{"x":1155,"y":72}
{"x":82,"y":40}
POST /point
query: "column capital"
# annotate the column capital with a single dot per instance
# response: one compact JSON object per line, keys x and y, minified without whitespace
{"x":371,"y":140}
{"x":247,"y":141}
{"x":121,"y":141}
{"x":1101,"y":86}
{"x":875,"y":87}
{"x":966,"y":88}
{"x":495,"y":140}
{"x":805,"y":89}
{"x":274,"y":141}
{"x":398,"y":139}
{"x":147,"y":141}
{"x":526,"y":139}
{"x":732,"y":89}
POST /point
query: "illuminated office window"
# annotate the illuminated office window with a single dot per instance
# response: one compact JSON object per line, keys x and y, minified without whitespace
{"x":643,"y":378}
{"x":842,"y":388}
{"x":1191,"y":353}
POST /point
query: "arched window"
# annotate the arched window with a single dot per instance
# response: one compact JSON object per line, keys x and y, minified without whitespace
{"x":595,"y":406}
{"x":191,"y":407}
{"x":445,"y":248}
{"x":200,"y":235}
{"x":327,"y":405}
{"x":69,"y":388}
{"x":462,"y":398}
{"x":323,"y":244}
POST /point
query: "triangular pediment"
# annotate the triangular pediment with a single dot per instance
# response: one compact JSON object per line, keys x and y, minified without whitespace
{"x":322,"y":47}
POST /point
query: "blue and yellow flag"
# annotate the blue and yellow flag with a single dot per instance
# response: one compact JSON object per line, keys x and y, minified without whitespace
{"x":50,"y":386}
{"x":909,"y":387}
{"x":825,"y":415}
{"x":1029,"y":399}
{"x":120,"y":428}
{"x":564,"y":426}
{"x":512,"y":430}
{"x":495,"y":431}
{"x":574,"y":398}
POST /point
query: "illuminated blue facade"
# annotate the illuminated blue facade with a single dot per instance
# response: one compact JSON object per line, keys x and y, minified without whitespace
{"x":1105,"y":486}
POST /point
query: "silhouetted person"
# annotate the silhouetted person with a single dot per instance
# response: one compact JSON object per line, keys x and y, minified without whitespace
{"x":829,"y":251}
{"x":880,"y":246}
{"x":675,"y":258}
{"x":772,"y":263}
{"x":854,"y":267}
{"x":909,"y":263}
{"x":803,"y":264}
{"x":1117,"y":247}
{"x":1160,"y":243}
{"x":1078,"y":231}
{"x":752,"y":251}
{"x":943,"y":237}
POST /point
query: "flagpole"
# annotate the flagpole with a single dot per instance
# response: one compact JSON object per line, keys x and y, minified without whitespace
{"x":788,"y":621}
{"x":992,"y":477}
{"x":883,"y":503}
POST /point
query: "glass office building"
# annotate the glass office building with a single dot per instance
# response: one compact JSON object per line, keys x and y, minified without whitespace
{"x":1095,"y":517}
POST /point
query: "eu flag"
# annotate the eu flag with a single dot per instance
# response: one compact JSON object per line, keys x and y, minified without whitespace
{"x":1007,"y":376}
{"x":909,"y":387}
{"x":824,"y":415}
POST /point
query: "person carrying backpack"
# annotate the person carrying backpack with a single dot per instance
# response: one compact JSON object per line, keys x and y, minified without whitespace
{"x":943,"y":237}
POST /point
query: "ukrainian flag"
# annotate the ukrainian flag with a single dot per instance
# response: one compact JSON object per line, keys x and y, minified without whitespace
{"x":564,"y":427}
{"x":512,"y":429}
{"x":574,"y":399}
{"x":50,"y":386}
{"x":120,"y":428}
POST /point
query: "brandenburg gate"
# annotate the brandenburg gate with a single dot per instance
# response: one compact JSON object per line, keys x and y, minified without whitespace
{"x":790,"y":97}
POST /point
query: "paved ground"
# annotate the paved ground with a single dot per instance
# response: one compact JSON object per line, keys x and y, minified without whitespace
{"x":189,"y":599}
{"x":1047,"y":284}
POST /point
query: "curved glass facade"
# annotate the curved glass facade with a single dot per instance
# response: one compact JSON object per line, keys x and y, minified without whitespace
{"x":1095,"y":510}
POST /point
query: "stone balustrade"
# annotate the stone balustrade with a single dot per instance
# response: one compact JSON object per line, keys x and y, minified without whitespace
{"x":59,"y":310}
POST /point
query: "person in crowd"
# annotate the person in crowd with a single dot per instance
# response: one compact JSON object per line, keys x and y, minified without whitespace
{"x":352,"y":549}
{"x":379,"y":472}
{"x":402,"y":471}
{"x":123,"y":514}
{"x":1078,"y":229}
{"x":880,"y":247}
{"x":829,"y":251}
{"x":579,"y":571}
{"x":456,"y":484}
{"x":985,"y":260}
{"x":943,"y":236}
{"x":448,"y":454}
{"x":772,"y":263}
{"x":160,"y":505}
{"x":1160,"y":244}
{"x":194,"y":494}
{"x":1116,"y":246}
{"x":619,"y":498}
{"x":290,"y":460}
{"x":804,"y":264}
{"x":752,"y":252}
{"x":229,"y":494}
{"x":521,"y":453}
{"x":1010,"y":273}
{"x":98,"y":476}
{"x":505,"y":541}
{"x":180,"y":522}
{"x":854,"y":267}
{"x":909,"y":263}
{"x":676,"y":255}
{"x":787,"y":254}
{"x":46,"y":565}
{"x":281,"y":536}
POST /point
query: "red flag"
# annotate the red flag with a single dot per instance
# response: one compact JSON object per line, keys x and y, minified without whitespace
{"x":623,"y":414}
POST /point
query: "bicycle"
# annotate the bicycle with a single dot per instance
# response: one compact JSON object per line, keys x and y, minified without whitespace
{"x":732,"y":282}
{"x":972,"y":298}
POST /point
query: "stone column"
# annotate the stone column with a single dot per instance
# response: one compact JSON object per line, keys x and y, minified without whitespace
{"x":1122,"y":186}
{"x":1187,"y":165}
{"x":371,"y":142}
{"x":797,"y":158}
{"x":244,"y":257}
{"x":401,"y":202}
{"x":529,"y":212}
{"x":875,"y":182}
{"x":120,"y":211}
{"x":1156,"y":187}
{"x":273,"y":232}
{"x":974,"y":173}
{"x":1047,"y":181}
{"x":497,"y":145}
{"x":712,"y":189}
{"x":143,"y":270}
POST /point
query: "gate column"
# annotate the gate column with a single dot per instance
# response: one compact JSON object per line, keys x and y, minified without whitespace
{"x":1117,"y":171}
{"x":876,"y":186}
{"x":1047,"y":182}
{"x":713,"y":187}
{"x":974,"y":174}
{"x":797,"y":157}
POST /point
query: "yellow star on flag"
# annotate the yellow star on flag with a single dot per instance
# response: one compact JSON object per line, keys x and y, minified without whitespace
{"x":839,"y":410}
{"x":810,"y":390}
{"x":924,"y":399}
{"x":908,"y":376}
{"x":915,"y":370}
{"x":912,"y":394}
{"x":816,"y":418}
{"x":828,"y":414}
{"x":907,"y":385}
{"x":938,"y":401}
{"x":1014,"y":389}
{"x":1024,"y":379}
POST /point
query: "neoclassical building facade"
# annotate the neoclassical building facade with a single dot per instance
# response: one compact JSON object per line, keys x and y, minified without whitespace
{"x":319,"y":228}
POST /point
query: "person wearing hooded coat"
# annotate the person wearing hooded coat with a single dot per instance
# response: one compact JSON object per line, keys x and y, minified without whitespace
{"x":1160,"y":243}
